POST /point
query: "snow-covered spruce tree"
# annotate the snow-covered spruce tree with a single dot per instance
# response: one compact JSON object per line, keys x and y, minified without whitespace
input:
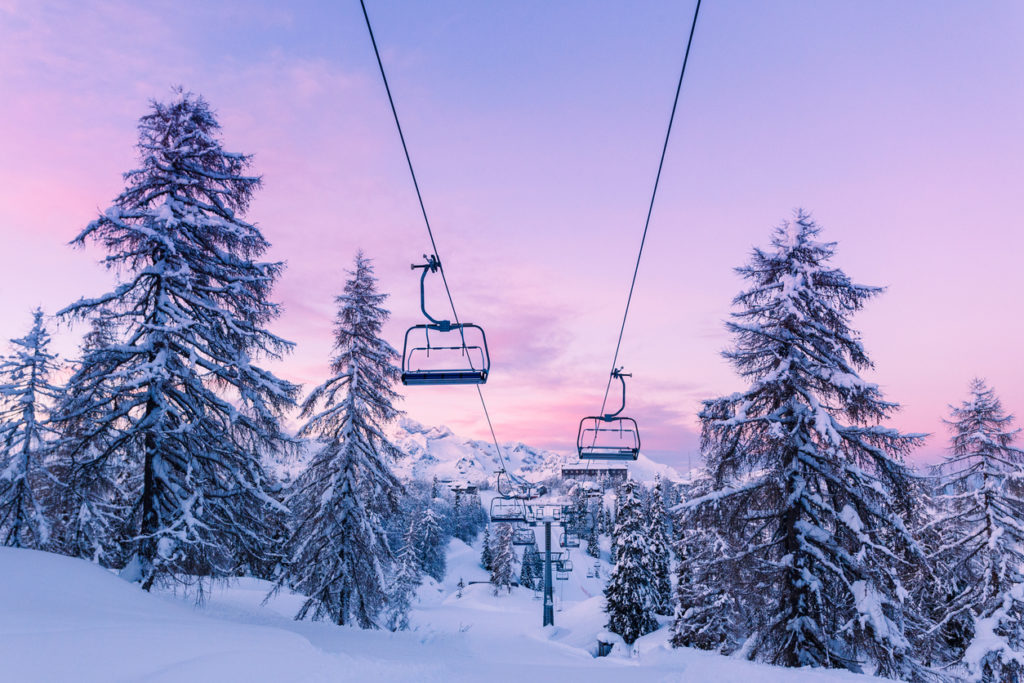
{"x":405,"y":582}
{"x":503,"y":564}
{"x":527,"y":575}
{"x":26,"y":395}
{"x":191,"y":305}
{"x":338,"y":552}
{"x":577,"y":521}
{"x":468,"y":516}
{"x":98,"y":483}
{"x":980,"y":527}
{"x":706,"y":615}
{"x":629,"y":595}
{"x":593,"y":542}
{"x":432,"y":545}
{"x":659,"y":552}
{"x":487,"y":553}
{"x":810,"y":484}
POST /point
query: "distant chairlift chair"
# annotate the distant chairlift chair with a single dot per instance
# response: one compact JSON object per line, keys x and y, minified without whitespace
{"x":508,"y":510}
{"x":523,"y":536}
{"x":461,"y":357}
{"x":609,"y":436}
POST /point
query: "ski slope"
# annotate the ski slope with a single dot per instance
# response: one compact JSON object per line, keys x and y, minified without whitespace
{"x":63,"y":619}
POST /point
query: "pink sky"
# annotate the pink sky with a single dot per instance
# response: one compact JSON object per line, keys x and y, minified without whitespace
{"x":535,"y":130}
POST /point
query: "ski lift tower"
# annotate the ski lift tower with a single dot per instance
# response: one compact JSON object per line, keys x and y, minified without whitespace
{"x":547,"y":514}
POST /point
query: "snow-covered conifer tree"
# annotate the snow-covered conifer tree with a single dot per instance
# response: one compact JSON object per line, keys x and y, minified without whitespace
{"x":527,"y":576}
{"x":338,"y":551}
{"x":503,"y":564}
{"x":487,"y":554}
{"x":191,"y":306}
{"x":706,"y":614}
{"x":26,"y":397}
{"x":99,"y":484}
{"x":593,"y":542}
{"x":468,"y":516}
{"x":405,"y":582}
{"x":659,"y":552}
{"x":629,"y":595}
{"x":980,"y":529}
{"x":432,"y":545}
{"x":811,"y":484}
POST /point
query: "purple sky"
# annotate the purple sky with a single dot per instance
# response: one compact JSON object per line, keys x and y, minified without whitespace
{"x":535,"y":128}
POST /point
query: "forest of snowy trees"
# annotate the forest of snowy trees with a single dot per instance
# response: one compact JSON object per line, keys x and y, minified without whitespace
{"x":806,"y":540}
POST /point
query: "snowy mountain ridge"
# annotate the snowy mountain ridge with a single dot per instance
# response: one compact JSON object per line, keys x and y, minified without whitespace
{"x":437,"y":451}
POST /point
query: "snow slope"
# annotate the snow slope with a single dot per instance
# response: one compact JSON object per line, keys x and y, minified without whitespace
{"x":63,"y":619}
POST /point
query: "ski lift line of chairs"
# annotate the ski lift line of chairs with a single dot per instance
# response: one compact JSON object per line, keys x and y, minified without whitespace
{"x":609,"y":436}
{"x":457,"y":361}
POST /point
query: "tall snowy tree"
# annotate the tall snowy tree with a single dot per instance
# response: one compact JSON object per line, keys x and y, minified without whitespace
{"x":812,"y":486}
{"x":192,"y":304}
{"x":487,"y":553}
{"x":980,"y":528}
{"x":705,"y":612}
{"x":659,"y":553}
{"x":629,"y":596}
{"x":503,"y":564}
{"x":528,"y":575}
{"x":338,"y":552}
{"x":593,"y":542}
{"x":98,"y":483}
{"x":405,"y":582}
{"x":26,"y":396}
{"x":432,"y":545}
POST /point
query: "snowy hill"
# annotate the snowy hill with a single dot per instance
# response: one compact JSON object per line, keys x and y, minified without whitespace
{"x":437,"y":451}
{"x":63,"y":619}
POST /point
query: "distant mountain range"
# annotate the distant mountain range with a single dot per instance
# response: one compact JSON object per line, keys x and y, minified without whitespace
{"x":437,"y":451}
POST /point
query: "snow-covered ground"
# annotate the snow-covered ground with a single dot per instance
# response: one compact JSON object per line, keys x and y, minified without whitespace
{"x":63,"y":619}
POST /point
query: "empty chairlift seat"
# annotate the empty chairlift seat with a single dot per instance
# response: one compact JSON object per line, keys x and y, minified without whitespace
{"x":508,"y":510}
{"x":445,"y":353}
{"x":441,"y":352}
{"x":523,"y":536}
{"x":609,"y":436}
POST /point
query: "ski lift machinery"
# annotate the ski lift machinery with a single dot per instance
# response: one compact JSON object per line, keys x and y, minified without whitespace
{"x":609,"y":436}
{"x":452,"y":362}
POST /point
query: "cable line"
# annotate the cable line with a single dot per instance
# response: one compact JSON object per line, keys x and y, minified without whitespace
{"x":650,"y":208}
{"x":430,"y":232}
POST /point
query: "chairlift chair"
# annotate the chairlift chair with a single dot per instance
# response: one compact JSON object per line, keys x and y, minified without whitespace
{"x":507,"y":510}
{"x":609,"y":436}
{"x":511,"y":486}
{"x":523,"y":536}
{"x":569,"y":540}
{"x":457,"y":355}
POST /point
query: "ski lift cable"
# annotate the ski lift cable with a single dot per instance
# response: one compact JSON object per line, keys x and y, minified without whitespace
{"x":426,"y":221}
{"x":650,"y":208}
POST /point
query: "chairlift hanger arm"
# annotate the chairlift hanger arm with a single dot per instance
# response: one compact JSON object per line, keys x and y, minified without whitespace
{"x":432,"y":265}
{"x":617,"y":373}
